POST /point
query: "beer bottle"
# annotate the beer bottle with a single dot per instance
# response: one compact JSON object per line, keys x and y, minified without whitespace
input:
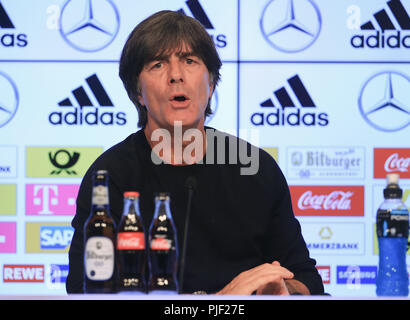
{"x":131,"y":255}
{"x":99,"y":240}
{"x":163,"y":253}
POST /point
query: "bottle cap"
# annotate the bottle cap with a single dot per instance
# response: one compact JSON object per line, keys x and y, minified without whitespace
{"x":392,"y":190}
{"x":392,"y":178}
{"x":132,"y":194}
{"x":162,"y":196}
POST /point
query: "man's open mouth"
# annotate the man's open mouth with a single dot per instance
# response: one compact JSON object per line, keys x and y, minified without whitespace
{"x":180,"y":98}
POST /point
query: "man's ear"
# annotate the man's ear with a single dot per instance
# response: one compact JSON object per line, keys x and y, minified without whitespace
{"x":211,"y":89}
{"x":141,"y":100}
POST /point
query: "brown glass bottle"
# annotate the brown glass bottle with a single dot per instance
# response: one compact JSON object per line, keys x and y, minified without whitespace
{"x":99,"y":240}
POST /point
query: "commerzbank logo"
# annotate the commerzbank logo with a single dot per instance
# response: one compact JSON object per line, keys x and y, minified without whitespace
{"x":89,"y":25}
{"x":60,"y":162}
{"x":384,"y":102}
{"x":9,"y":99}
{"x":291,"y":25}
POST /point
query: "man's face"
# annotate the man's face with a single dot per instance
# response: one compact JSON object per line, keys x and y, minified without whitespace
{"x":175,"y":87}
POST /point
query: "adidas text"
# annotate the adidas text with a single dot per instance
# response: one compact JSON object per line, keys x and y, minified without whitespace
{"x":94,"y":117}
{"x":296,"y":118}
{"x":380,"y":40}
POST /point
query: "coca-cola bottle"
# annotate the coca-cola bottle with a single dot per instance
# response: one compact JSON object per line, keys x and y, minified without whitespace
{"x":99,"y":240}
{"x":131,"y":254}
{"x":163,"y":253}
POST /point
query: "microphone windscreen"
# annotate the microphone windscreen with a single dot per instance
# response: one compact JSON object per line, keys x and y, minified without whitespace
{"x":191,"y":183}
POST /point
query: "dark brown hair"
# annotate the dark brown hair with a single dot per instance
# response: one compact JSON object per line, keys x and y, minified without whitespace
{"x":158,"y":34}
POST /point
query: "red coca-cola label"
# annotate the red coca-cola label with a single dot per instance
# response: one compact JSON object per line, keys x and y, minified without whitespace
{"x":130,"y":241}
{"x":392,"y":160}
{"x":160,"y":244}
{"x":328,"y":200}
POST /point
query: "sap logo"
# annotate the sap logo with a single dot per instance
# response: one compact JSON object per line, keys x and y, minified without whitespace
{"x":388,"y":34}
{"x":10,"y":39}
{"x":88,"y":112}
{"x":55,"y":237}
{"x":199,"y":14}
{"x":289,"y":114}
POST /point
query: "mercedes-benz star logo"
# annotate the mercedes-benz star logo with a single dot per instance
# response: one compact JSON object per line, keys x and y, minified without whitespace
{"x":384,"y":101}
{"x":97,"y":28}
{"x":9,"y":99}
{"x":291,"y":25}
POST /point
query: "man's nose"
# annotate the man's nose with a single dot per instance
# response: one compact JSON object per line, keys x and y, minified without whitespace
{"x":175,"y":73}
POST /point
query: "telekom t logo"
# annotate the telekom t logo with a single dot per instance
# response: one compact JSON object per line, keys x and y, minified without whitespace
{"x":51,"y":199}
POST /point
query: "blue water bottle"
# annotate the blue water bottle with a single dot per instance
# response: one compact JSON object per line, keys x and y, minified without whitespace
{"x":392,"y":233}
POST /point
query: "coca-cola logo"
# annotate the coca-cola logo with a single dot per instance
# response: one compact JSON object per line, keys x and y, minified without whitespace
{"x":130,"y":241}
{"x":160,"y":244}
{"x":396,"y":163}
{"x":328,"y":200}
{"x":336,"y":200}
{"x":391,"y":160}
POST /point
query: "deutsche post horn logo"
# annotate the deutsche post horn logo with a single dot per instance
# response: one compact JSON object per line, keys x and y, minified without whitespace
{"x":63,"y":160}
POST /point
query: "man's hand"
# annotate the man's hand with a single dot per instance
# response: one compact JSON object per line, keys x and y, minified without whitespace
{"x":264,"y":279}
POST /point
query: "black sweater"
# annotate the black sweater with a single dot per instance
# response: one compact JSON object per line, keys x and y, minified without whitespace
{"x":237,"y":221}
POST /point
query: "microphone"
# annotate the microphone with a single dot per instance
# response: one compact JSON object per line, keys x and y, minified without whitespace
{"x":190,"y":185}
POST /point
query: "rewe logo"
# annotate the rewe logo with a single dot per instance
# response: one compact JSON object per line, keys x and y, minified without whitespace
{"x":10,"y":38}
{"x":328,"y":200}
{"x":392,"y":160}
{"x":199,"y":14}
{"x":387,"y":32}
{"x":88,"y":112}
{"x":23,"y":273}
{"x":289,"y":114}
{"x":324,"y":272}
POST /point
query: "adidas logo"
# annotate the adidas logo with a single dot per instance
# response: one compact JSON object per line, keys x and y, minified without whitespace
{"x":80,"y":114}
{"x":288,"y":113}
{"x":199,"y":14}
{"x":10,"y":39}
{"x":389,"y":26}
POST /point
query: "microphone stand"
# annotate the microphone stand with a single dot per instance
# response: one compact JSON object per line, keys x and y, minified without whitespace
{"x":190,"y":185}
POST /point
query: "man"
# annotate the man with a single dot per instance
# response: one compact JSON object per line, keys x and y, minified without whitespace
{"x":243,"y":237}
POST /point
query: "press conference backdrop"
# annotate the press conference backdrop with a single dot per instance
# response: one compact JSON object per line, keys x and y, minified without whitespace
{"x":323,"y":86}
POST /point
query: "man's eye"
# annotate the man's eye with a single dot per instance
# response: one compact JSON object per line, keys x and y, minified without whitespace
{"x":157,"y":65}
{"x":190,"y":61}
